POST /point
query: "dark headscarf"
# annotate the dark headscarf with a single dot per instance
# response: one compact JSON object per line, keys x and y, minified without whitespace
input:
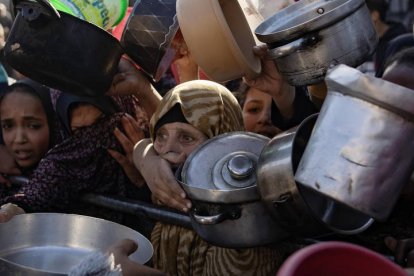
{"x":66,"y":102}
{"x":43,"y":94}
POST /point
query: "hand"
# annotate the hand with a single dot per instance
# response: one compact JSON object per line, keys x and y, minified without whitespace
{"x":270,"y":81}
{"x":133,"y":135}
{"x":8,"y":166}
{"x":121,"y":250}
{"x":187,"y":68}
{"x":130,"y":81}
{"x":159,"y":177}
{"x":8,"y":211}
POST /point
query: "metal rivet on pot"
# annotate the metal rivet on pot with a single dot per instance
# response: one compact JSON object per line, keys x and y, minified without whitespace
{"x":320,"y":10}
{"x":240,"y":167}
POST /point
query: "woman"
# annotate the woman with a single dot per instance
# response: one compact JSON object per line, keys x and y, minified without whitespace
{"x":82,"y":163}
{"x":188,"y":115}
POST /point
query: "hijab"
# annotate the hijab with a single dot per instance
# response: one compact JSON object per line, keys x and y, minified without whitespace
{"x":43,"y":94}
{"x":208,"y":106}
{"x":66,"y":102}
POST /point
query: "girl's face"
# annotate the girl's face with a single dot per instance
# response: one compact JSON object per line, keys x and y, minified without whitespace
{"x":257,"y":113}
{"x":175,"y":141}
{"x":25,"y":128}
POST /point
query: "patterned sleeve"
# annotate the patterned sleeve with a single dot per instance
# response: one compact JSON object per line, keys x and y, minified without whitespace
{"x":45,"y":191}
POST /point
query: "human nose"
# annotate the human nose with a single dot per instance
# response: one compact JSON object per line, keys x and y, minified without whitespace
{"x":265,"y":116}
{"x":170,"y":145}
{"x":20,"y":136}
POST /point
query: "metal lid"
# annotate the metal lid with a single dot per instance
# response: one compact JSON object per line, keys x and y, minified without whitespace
{"x":223,"y":169}
{"x":303,"y":17}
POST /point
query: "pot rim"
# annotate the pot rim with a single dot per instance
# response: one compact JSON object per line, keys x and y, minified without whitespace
{"x":268,"y":33}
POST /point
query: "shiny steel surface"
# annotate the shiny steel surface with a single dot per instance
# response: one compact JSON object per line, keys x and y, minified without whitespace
{"x":305,"y":59}
{"x":301,"y":210}
{"x":206,"y":174}
{"x":53,"y":243}
{"x":360,"y":153}
{"x":304,"y":16}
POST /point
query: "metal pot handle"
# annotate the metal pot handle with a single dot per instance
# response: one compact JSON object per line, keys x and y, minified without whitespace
{"x":31,"y":13}
{"x":208,"y":220}
{"x":292,"y":47}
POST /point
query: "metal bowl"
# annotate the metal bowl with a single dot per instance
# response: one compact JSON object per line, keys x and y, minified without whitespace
{"x":52,"y":243}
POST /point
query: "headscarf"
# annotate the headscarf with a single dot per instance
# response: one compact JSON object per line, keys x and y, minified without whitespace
{"x":208,"y":106}
{"x":66,"y":101}
{"x":43,"y":94}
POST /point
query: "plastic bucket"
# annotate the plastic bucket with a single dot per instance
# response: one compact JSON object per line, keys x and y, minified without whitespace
{"x":103,"y":13}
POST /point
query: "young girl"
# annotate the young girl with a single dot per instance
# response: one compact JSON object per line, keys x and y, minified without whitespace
{"x":27,"y":124}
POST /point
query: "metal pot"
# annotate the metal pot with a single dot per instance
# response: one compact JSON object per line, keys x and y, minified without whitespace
{"x":61,"y":50}
{"x":305,"y":38}
{"x":360,"y":153}
{"x":301,"y":210}
{"x":219,"y":177}
{"x":52,"y":243}
{"x":149,"y":36}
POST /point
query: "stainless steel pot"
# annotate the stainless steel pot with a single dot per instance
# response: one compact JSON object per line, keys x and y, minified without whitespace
{"x":306,"y":38}
{"x":360,"y":153}
{"x":301,"y":210}
{"x":219,"y":177}
{"x":52,"y":243}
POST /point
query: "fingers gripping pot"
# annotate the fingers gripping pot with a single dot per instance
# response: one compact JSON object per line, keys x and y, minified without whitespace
{"x":299,"y":209}
{"x":360,"y":153}
{"x":220,"y":179}
{"x":305,"y":38}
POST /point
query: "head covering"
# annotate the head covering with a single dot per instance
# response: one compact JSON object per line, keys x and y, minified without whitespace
{"x":208,"y":106}
{"x":43,"y":94}
{"x":66,"y":101}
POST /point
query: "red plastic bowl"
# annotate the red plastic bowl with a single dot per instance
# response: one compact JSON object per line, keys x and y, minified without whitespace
{"x":338,"y":259}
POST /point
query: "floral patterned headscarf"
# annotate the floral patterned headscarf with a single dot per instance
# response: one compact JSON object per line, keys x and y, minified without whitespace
{"x":208,"y":106}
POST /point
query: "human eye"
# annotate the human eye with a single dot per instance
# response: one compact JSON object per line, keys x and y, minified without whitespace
{"x":34,"y":125}
{"x":160,"y":136}
{"x":253,"y":108}
{"x":187,"y":139}
{"x":6,"y":125}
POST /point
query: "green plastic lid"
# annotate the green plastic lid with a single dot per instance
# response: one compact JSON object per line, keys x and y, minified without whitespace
{"x":61,"y":7}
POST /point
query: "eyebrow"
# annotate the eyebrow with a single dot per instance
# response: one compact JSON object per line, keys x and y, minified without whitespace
{"x":26,"y":118}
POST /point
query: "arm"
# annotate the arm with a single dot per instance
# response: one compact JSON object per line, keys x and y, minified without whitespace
{"x":159,"y":176}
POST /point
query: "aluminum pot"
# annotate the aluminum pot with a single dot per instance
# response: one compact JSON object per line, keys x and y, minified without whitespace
{"x":299,"y":209}
{"x":52,"y":243}
{"x":306,"y":38}
{"x":61,"y":50}
{"x":219,"y":177}
{"x":360,"y":153}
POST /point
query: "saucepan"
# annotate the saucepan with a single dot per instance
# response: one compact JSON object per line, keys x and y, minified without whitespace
{"x":305,"y":38}
{"x":52,"y":243}
{"x":61,"y":50}
{"x":302,"y":210}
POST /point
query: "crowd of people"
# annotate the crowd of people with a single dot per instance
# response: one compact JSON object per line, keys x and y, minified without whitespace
{"x":129,"y":143}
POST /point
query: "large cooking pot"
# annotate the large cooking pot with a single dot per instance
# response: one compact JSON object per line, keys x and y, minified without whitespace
{"x":220,"y":179}
{"x":305,"y":38}
{"x":360,"y":153}
{"x":299,"y":209}
{"x":52,"y":243}
{"x":61,"y":50}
